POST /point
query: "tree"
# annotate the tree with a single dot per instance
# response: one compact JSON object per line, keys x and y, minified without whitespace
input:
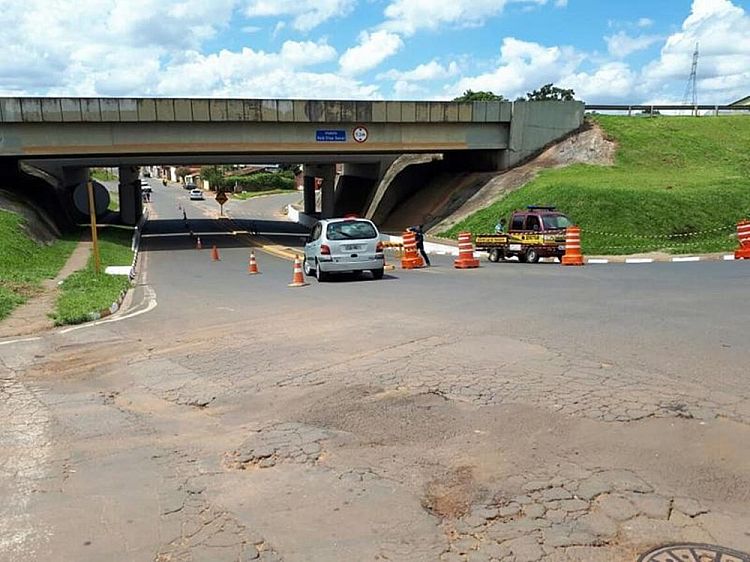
{"x":470,"y":95}
{"x":551,"y":92}
{"x":181,"y":172}
{"x":213,"y":174}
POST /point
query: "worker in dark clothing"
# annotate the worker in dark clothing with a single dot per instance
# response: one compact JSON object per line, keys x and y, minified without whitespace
{"x":419,"y":232}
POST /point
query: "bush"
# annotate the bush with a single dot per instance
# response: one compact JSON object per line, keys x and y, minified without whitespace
{"x":257,"y":182}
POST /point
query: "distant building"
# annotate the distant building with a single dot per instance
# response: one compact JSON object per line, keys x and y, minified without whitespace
{"x":741,"y":103}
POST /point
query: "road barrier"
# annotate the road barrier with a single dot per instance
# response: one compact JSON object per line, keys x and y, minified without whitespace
{"x":466,"y":259}
{"x":573,"y":254}
{"x":411,"y":259}
{"x":252,"y":265}
{"x":743,"y":236}
{"x":398,"y":248}
{"x":298,"y":279}
{"x":215,"y":254}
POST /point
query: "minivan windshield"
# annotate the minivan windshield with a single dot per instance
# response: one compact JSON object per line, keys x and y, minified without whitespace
{"x":556,"y":222}
{"x":351,"y":230}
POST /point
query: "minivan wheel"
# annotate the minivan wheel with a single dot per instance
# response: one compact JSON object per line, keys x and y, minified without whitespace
{"x":306,"y":268}
{"x":378,"y":273}
{"x":320,"y":275}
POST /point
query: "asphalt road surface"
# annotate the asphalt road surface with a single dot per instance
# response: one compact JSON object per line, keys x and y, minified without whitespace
{"x":513,"y":412}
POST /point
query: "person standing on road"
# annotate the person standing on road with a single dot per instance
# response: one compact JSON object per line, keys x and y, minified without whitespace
{"x":419,"y":235}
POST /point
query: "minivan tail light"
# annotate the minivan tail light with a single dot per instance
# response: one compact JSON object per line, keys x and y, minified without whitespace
{"x":325,"y":250}
{"x":379,"y":248}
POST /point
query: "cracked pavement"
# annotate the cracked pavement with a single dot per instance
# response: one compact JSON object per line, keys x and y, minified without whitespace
{"x":593,"y":416}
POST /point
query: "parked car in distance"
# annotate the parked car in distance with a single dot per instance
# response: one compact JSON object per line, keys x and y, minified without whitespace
{"x":343,"y":245}
{"x":190,"y":186}
{"x":196,"y":195}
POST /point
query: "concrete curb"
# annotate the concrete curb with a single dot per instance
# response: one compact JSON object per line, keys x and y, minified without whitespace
{"x":114,"y":307}
{"x":136,"y":248}
{"x":673,"y":259}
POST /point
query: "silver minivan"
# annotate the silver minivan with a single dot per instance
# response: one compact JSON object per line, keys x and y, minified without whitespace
{"x":343,"y":245}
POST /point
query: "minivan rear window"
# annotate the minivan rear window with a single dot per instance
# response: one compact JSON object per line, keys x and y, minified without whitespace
{"x":351,"y":230}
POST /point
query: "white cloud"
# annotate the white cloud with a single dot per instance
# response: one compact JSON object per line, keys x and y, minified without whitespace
{"x":306,"y":14}
{"x":409,"y":16}
{"x":524,"y":66}
{"x":611,"y":81}
{"x":432,"y":70}
{"x":620,"y":45}
{"x":645,"y":22}
{"x":723,"y":32}
{"x":226,"y":71}
{"x":373,"y":48}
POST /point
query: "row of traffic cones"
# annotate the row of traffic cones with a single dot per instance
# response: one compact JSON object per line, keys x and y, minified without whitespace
{"x":298,"y":279}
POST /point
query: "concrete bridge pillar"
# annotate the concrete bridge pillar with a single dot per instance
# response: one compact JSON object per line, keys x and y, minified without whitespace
{"x":131,"y":201}
{"x":326,"y":175}
{"x":308,"y":193}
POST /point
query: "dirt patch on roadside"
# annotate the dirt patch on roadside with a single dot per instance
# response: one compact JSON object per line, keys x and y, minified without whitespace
{"x":590,"y":146}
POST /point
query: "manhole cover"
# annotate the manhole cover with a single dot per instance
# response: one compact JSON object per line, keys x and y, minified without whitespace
{"x":694,"y":553}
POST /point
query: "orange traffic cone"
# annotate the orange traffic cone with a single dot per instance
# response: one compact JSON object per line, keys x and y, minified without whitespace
{"x":411,"y":259}
{"x":298,"y":280}
{"x":252,"y":266}
{"x":215,"y":254}
{"x":466,"y":259}
{"x":198,"y":245}
{"x":743,"y":235}
{"x":573,"y":254}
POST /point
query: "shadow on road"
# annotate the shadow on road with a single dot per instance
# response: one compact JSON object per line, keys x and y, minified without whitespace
{"x":179,"y":234}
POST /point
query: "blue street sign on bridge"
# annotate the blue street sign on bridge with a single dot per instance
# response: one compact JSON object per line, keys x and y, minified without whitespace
{"x":330,"y":135}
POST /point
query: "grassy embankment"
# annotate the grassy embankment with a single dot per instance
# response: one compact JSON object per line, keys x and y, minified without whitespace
{"x":673,"y":176}
{"x":24,"y":263}
{"x":250,"y":194}
{"x":85,"y":292}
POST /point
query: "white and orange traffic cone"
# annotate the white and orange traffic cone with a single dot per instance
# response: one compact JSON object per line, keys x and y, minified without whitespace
{"x":252,"y":266}
{"x":298,"y":280}
{"x":411,"y":259}
{"x":573,"y":255}
{"x":743,"y":237}
{"x":466,"y":259}
{"x":198,"y":245}
{"x":215,"y":254}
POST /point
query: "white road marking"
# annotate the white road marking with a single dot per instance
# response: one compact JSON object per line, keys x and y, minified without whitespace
{"x":152,"y":303}
{"x":20,"y":340}
{"x":686,"y":259}
{"x":729,"y":257}
{"x":595,"y":260}
{"x":639,"y":260}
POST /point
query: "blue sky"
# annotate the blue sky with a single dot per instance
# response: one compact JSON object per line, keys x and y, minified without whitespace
{"x":608,"y":52}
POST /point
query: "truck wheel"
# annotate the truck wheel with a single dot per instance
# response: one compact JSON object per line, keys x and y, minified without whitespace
{"x":532,"y":256}
{"x":494,"y":256}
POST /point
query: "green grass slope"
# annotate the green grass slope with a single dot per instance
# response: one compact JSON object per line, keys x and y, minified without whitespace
{"x":24,"y":263}
{"x":679,"y":184}
{"x":84,"y":291}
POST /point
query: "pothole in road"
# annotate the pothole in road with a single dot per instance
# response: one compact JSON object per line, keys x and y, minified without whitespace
{"x":451,"y":496}
{"x":386,"y":417}
{"x":694,"y":553}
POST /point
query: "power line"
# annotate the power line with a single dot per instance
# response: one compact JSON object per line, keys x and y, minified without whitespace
{"x":691,"y":90}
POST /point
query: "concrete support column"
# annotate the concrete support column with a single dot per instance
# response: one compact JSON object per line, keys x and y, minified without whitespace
{"x":327,"y":199}
{"x":308,"y":194}
{"x":131,"y":201}
{"x":327,"y":174}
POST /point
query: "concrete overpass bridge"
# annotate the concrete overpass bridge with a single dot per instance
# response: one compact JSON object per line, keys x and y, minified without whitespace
{"x":58,"y":139}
